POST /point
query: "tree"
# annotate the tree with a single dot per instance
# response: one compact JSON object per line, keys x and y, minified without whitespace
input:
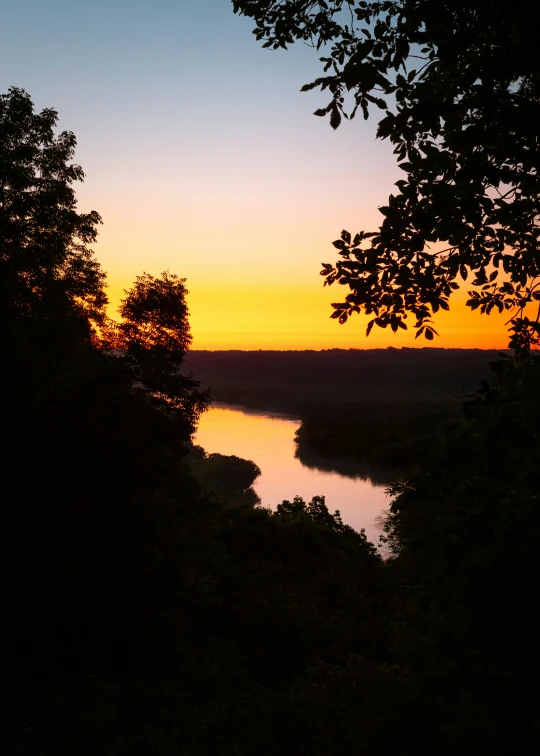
{"x":98,"y":466}
{"x":316,"y":509}
{"x":228,"y":476}
{"x":154,"y":337}
{"x":47,"y":269}
{"x":464,"y":533}
{"x":462,"y":82}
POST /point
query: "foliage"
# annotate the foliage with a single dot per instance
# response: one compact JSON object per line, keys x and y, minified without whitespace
{"x":228,"y":476}
{"x":317,"y":511}
{"x":97,"y":467}
{"x":300,"y":591}
{"x":47,"y":270}
{"x":256,"y":617}
{"x":389,"y":439}
{"x":459,"y":87}
{"x":154,"y":337}
{"x":464,"y":533}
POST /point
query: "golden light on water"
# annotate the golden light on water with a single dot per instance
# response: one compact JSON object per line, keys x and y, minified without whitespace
{"x":269,"y":442}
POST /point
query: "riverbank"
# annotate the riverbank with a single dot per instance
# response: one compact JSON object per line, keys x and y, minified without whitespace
{"x":269,"y":443}
{"x":389,"y":442}
{"x":372,"y":413}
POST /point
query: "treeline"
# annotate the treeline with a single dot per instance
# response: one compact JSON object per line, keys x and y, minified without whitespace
{"x":145,"y":613}
{"x":296,"y":382}
{"x":368,"y":413}
{"x":382,"y":442}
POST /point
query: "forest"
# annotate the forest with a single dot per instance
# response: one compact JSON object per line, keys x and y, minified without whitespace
{"x":372,"y":410}
{"x":151,"y":606}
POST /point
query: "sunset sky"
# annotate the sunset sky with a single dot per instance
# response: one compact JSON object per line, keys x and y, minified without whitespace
{"x":203,"y":157}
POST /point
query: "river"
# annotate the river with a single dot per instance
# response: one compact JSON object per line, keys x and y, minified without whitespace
{"x":269,"y":442}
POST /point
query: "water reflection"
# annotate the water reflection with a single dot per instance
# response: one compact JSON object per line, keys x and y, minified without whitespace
{"x":269,"y":441}
{"x":345,"y":466}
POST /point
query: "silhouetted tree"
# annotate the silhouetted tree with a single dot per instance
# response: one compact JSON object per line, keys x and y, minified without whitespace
{"x":154,"y":337}
{"x":316,"y":509}
{"x":46,"y":266}
{"x":98,"y":468}
{"x":226,"y":475}
{"x":459,"y":85}
{"x":464,"y":534}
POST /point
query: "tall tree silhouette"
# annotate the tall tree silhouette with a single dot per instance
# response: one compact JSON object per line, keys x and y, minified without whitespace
{"x":46,"y":266}
{"x":154,"y":337}
{"x":463,"y":82}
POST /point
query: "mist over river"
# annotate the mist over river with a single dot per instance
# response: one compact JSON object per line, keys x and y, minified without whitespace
{"x":269,"y":442}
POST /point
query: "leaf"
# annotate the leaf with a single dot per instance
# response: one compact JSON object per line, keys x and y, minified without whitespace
{"x":335,"y":117}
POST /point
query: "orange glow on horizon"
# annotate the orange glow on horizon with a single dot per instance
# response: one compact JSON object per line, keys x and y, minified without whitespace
{"x":250,"y":247}
{"x":249,"y":238}
{"x":267,"y":315}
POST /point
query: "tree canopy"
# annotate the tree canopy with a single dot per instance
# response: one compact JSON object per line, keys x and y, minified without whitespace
{"x":154,"y":337}
{"x":46,"y":265}
{"x":457,"y":87}
{"x":228,"y":476}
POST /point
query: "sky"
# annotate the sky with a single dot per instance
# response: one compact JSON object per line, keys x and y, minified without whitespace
{"x":203,"y":158}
